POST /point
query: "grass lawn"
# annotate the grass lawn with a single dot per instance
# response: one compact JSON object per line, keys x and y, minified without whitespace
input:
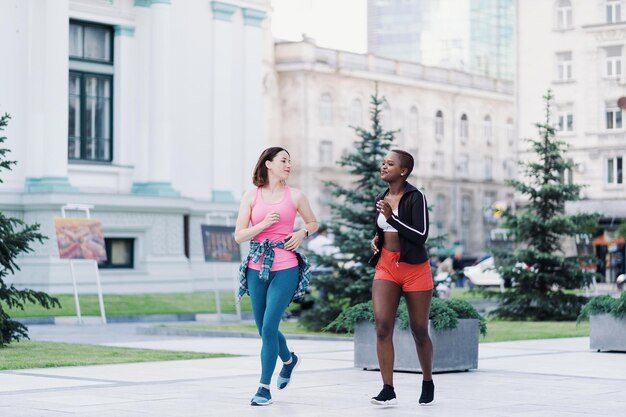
{"x":497,"y":331}
{"x":26,"y":354}
{"x":128,"y":304}
{"x":500,"y":331}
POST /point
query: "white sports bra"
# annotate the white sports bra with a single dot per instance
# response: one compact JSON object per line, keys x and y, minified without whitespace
{"x":382,"y":223}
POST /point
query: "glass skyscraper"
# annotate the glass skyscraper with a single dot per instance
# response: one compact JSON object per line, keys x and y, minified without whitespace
{"x":476,"y":36}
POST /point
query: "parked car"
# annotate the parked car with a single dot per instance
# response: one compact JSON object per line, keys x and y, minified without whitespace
{"x":484,"y":274}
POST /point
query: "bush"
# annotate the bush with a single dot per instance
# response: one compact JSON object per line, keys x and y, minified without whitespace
{"x":604,"y":304}
{"x":444,"y":314}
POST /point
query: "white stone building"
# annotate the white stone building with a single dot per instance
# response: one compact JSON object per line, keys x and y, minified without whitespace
{"x":150,"y":110}
{"x":576,"y":48}
{"x":459,"y":127}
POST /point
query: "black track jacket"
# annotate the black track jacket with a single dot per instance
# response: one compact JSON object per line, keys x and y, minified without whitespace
{"x":411,"y":224}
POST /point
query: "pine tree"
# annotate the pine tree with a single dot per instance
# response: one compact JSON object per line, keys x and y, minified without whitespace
{"x":538,"y":270}
{"x":16,"y":238}
{"x":352,"y":225}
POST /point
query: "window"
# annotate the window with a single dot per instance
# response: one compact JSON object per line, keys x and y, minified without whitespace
{"x":565,"y":121}
{"x":356,"y":113}
{"x":437,"y":164}
{"x":489,"y":168}
{"x":564,"y":14}
{"x":90,"y":111}
{"x":613,"y":62}
{"x":120,"y":253}
{"x":326,"y":153}
{"x":385,"y":117}
{"x":509,"y":168}
{"x":567,"y":175}
{"x":613,"y":118}
{"x":510,"y":132}
{"x":326,"y":110}
{"x":613,"y":11}
{"x":438,"y":124}
{"x":413,"y":122}
{"x":466,"y":208}
{"x":564,"y":66}
{"x":488,"y":130}
{"x":463,"y":165}
{"x":464,"y":128}
{"x":614,"y":171}
{"x":489,"y":199}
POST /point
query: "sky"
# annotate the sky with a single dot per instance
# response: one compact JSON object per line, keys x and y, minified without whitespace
{"x":336,"y":24}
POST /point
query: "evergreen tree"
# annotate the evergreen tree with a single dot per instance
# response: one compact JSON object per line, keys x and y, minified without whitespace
{"x":352,"y":225}
{"x":538,"y":270}
{"x":16,"y":238}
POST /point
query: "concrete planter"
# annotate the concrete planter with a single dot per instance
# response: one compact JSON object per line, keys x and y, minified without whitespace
{"x":606,"y":332}
{"x":453,"y":350}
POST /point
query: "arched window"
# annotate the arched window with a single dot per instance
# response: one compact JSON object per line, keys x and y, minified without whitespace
{"x":439,"y":124}
{"x":488,"y":130}
{"x":326,"y":109}
{"x":385,"y":117}
{"x":356,"y":113}
{"x":563,"y":14}
{"x":510,"y":132}
{"x":413,"y":122}
{"x":464,"y":128}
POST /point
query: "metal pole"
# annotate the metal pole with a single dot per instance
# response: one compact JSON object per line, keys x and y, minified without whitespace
{"x":100,"y":298}
{"x":78,"y":315}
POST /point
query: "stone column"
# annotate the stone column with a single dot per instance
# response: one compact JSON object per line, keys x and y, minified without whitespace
{"x":159,"y":104}
{"x":47,"y":91}
{"x":124,"y":99}
{"x":253,"y":140}
{"x":223,"y":151}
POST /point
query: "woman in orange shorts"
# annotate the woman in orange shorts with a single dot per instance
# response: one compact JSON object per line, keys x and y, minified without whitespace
{"x":402,"y":267}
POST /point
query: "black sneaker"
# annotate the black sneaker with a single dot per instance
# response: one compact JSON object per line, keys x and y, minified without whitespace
{"x":428,"y":392}
{"x":387,"y":397}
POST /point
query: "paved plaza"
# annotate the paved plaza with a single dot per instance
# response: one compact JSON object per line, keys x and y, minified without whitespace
{"x":551,"y":378}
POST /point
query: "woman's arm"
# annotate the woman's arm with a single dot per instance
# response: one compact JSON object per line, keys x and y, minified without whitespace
{"x":244,"y":233}
{"x":310,"y":222}
{"x":417,"y":230}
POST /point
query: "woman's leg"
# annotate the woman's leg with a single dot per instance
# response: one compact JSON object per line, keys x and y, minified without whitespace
{"x":258,"y":298}
{"x":418,"y":306}
{"x":385,"y":299}
{"x":279,"y":294}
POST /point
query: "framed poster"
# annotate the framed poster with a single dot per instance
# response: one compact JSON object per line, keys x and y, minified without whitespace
{"x":80,"y":238}
{"x":219,"y":244}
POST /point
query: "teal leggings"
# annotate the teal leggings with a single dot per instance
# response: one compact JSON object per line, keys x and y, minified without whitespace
{"x":269,"y":301}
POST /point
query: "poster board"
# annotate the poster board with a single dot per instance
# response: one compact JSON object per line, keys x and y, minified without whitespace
{"x":219,"y":245}
{"x":80,"y":238}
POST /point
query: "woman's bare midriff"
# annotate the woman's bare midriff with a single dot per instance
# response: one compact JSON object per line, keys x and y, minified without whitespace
{"x":392,"y":242}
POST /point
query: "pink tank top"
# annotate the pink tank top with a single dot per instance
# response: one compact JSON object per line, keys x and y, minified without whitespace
{"x":283,"y":259}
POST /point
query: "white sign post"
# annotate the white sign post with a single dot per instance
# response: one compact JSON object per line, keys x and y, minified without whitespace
{"x":86,"y":209}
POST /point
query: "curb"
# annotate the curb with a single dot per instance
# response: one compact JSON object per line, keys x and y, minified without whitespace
{"x":146,"y":318}
{"x":178,"y":331}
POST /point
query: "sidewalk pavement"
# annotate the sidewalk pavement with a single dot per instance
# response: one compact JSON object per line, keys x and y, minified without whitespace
{"x":551,"y":378}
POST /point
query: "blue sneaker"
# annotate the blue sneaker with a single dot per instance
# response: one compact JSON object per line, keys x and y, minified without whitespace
{"x":285,"y":374}
{"x":262,"y":397}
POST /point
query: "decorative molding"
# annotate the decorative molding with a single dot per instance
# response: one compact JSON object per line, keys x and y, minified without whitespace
{"x":223,"y":11}
{"x":122,"y":30}
{"x":221,"y":196}
{"x":49,"y":185}
{"x":253,"y":17}
{"x":148,"y":3}
{"x":161,"y":189}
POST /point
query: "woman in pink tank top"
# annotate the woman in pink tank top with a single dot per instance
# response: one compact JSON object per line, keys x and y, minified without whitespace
{"x":266,"y":219}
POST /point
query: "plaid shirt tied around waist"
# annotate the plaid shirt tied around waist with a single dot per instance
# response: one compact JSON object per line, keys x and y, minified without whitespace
{"x":266,"y":248}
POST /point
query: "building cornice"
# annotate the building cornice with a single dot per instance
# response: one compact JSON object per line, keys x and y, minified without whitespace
{"x":307,"y":57}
